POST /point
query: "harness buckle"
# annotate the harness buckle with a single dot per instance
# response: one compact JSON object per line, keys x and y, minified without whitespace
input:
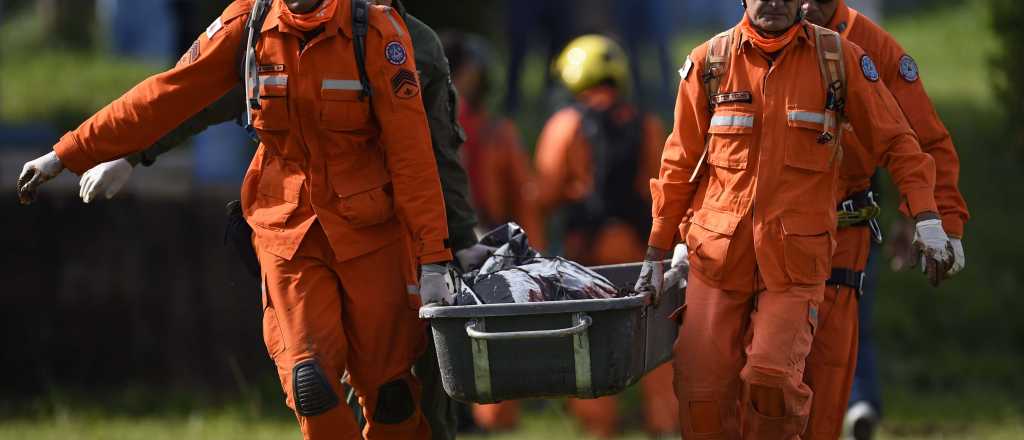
{"x":849,"y":206}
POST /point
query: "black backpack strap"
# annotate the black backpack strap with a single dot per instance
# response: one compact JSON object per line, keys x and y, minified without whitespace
{"x":250,"y":69}
{"x":360,"y":27}
{"x":250,"y":74}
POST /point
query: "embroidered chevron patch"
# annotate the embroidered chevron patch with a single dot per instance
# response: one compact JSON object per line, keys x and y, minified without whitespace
{"x":404,"y":84}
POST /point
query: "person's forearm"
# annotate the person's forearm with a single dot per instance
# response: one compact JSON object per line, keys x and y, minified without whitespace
{"x":229,"y":107}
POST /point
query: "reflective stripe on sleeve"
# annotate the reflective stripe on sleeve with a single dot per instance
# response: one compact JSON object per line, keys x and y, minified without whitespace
{"x":732,"y":121}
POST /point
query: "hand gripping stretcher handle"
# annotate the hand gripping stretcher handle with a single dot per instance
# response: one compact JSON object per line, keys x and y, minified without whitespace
{"x":583,"y":322}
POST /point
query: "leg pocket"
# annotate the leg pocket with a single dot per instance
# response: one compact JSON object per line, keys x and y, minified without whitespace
{"x":272,"y":335}
{"x":807,"y":245}
{"x":804,"y":336}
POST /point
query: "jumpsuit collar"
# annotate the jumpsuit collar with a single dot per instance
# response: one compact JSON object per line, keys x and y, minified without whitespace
{"x":802,"y":37}
{"x":842,"y":19}
{"x":341,"y":20}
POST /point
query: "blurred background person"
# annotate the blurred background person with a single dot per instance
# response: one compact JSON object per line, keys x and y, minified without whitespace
{"x":594,"y":160}
{"x":502,"y":184}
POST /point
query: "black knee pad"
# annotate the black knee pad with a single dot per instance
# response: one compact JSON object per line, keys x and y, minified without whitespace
{"x":312,"y":391}
{"x":394,"y":403}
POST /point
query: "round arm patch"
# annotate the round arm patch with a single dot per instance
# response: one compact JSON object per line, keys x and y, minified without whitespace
{"x":908,"y":69}
{"x":867,"y":66}
{"x":395,"y":53}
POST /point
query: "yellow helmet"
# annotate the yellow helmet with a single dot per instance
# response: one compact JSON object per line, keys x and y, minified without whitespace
{"x":590,"y":61}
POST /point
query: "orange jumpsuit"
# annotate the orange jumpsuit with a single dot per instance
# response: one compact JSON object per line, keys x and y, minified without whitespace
{"x":833,"y":358}
{"x":338,"y":192}
{"x":501,"y":180}
{"x":566,"y":170}
{"x":761,"y":233}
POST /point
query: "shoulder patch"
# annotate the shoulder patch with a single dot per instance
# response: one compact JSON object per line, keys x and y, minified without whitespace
{"x":404,"y":84}
{"x":908,"y":69}
{"x":687,"y":68}
{"x":192,"y":55}
{"x":867,"y":66}
{"x":395,"y":53}
{"x":214,"y":27}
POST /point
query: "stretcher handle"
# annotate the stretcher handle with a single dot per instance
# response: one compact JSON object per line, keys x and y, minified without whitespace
{"x":584,"y":323}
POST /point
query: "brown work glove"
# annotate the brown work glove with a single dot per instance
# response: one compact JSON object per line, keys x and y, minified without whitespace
{"x":652,"y":275}
{"x":935,"y":249}
{"x":35,"y":173}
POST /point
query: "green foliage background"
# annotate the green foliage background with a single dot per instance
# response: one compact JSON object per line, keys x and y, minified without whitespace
{"x":963,"y":340}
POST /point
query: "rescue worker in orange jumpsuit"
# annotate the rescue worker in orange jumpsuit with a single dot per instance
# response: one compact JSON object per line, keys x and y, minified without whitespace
{"x":833,"y":357}
{"x":502,"y":184}
{"x":753,"y":164}
{"x":342,"y":186}
{"x":594,"y":160}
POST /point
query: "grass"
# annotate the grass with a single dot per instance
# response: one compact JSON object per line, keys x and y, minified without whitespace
{"x":233,"y":426}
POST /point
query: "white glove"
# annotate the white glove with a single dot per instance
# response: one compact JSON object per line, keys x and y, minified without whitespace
{"x":35,"y":173}
{"x":933,"y":244}
{"x":959,"y":259}
{"x":680,"y":267}
{"x":433,"y":286}
{"x":106,"y":178}
{"x":651,"y":280}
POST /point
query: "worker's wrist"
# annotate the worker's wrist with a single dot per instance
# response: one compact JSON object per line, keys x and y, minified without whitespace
{"x":655,"y":254}
{"x":440,"y":257}
{"x":663,"y":233}
{"x":70,"y":153}
{"x":134,"y":159}
{"x":928,"y":215}
{"x":434,"y":269}
{"x":461,"y":238}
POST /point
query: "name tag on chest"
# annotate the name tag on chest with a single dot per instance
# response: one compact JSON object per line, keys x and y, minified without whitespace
{"x":731,"y":97}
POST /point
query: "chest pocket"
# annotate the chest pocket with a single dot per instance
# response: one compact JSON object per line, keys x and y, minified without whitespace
{"x":273,"y":112}
{"x":802,"y":148}
{"x":341,"y":109}
{"x":730,"y":136}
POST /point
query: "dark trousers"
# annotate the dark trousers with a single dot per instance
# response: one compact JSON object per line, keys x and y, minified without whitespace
{"x":866,"y":386}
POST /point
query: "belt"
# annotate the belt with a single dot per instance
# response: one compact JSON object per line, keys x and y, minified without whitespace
{"x":847,"y":278}
{"x":861,"y":209}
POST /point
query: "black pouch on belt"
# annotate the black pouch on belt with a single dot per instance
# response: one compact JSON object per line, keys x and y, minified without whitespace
{"x":238,"y":234}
